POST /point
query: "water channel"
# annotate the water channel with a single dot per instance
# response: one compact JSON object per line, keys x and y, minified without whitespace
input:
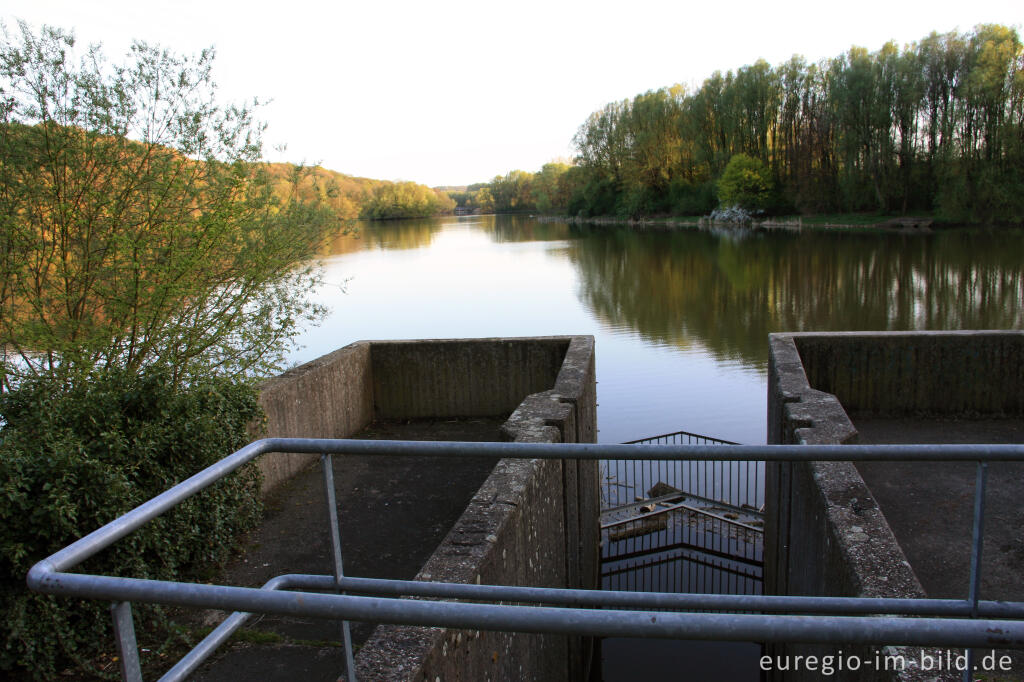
{"x":680,"y":318}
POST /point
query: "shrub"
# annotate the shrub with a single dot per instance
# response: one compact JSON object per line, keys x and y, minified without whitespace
{"x":74,"y":456}
{"x":746,"y":183}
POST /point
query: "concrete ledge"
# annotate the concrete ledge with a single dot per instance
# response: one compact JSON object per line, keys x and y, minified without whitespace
{"x":529,"y":524}
{"x":824,"y":532}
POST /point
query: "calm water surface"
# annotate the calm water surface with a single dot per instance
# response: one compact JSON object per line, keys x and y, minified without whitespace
{"x":680,"y":318}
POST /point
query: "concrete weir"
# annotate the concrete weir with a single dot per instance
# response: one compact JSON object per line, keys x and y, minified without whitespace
{"x":530,"y":523}
{"x":906,"y":531}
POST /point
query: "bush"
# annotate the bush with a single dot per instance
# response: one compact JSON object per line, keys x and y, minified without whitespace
{"x":745,"y":182}
{"x":73,"y":457}
{"x":637,"y":201}
{"x":137,"y":224}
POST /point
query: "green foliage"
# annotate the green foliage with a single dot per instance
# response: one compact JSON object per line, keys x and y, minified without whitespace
{"x":404,"y":200}
{"x":931,"y":126}
{"x":550,"y":187}
{"x":746,"y":182}
{"x":76,"y":455}
{"x":692,"y":199}
{"x":136,"y":225}
{"x":638,"y":200}
{"x":513,"y":192}
{"x":595,"y":196}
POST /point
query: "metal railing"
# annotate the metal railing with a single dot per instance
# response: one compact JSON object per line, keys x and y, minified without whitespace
{"x":969,"y":622}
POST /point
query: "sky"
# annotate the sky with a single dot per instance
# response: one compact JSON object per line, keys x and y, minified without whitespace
{"x":451,"y":93}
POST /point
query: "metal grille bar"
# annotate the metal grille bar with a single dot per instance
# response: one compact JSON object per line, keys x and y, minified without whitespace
{"x":998,"y":624}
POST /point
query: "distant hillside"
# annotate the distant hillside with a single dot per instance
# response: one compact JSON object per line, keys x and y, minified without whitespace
{"x":353,"y":197}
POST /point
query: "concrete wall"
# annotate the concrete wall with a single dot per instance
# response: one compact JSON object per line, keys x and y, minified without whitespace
{"x":823,"y":510}
{"x":824,"y":532}
{"x":330,"y":397}
{"x":338,"y":394}
{"x":459,"y":378}
{"x":904,"y":373}
{"x":533,"y":522}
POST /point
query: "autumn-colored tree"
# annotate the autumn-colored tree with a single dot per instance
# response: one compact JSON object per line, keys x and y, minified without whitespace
{"x":137,"y":224}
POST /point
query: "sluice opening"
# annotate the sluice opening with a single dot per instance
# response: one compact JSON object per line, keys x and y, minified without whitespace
{"x":681,"y":526}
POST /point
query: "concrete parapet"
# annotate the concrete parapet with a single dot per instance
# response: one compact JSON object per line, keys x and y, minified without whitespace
{"x":824,"y":532}
{"x":957,"y":373}
{"x":338,"y":394}
{"x":460,"y":377}
{"x":330,"y":397}
{"x":533,"y":522}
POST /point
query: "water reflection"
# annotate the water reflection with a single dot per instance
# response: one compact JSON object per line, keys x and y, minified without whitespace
{"x":728,"y":291}
{"x":390,"y":235}
{"x":680,"y":317}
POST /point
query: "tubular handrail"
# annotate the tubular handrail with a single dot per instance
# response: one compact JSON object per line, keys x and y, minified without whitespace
{"x":976,"y":623}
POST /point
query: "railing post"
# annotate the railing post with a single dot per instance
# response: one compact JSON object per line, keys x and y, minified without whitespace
{"x":124,"y":636}
{"x":977,"y":543}
{"x":327,"y":463}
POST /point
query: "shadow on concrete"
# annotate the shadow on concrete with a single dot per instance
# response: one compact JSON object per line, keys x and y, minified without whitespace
{"x":930,"y":508}
{"x":393,"y":512}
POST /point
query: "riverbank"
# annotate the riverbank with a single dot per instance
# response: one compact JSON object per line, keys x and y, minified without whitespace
{"x":915,"y":224}
{"x":910,"y":224}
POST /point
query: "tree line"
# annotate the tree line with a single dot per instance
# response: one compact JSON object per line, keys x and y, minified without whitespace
{"x":351,"y":197}
{"x":935,"y":126}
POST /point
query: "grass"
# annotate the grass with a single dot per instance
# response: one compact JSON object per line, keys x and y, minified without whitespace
{"x":860,"y":219}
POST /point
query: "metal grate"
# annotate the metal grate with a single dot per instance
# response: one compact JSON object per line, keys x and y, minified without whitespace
{"x":682,"y":526}
{"x":739,"y":484}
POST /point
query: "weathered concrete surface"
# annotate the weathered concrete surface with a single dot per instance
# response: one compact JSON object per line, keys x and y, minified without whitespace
{"x":529,"y":524}
{"x":392,"y":513}
{"x":956,"y":373}
{"x":925,"y":387}
{"x":330,"y":397}
{"x":460,"y":377}
{"x":824,"y":532}
{"x":929,"y":506}
{"x":340,"y":393}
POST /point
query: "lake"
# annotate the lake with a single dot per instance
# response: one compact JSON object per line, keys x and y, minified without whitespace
{"x":680,"y":317}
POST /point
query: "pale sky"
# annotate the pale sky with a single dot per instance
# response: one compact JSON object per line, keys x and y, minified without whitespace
{"x":450,"y":93}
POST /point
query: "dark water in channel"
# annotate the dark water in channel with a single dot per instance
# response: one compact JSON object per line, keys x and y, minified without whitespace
{"x":680,"y":318}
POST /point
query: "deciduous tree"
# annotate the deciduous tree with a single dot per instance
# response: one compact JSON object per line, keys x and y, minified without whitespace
{"x":137,"y":225}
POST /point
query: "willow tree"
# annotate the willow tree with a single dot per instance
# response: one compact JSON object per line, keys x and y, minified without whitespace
{"x":137,"y":224}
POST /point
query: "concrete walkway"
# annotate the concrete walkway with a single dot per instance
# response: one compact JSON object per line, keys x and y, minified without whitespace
{"x":930,"y":507}
{"x":393,"y":512}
